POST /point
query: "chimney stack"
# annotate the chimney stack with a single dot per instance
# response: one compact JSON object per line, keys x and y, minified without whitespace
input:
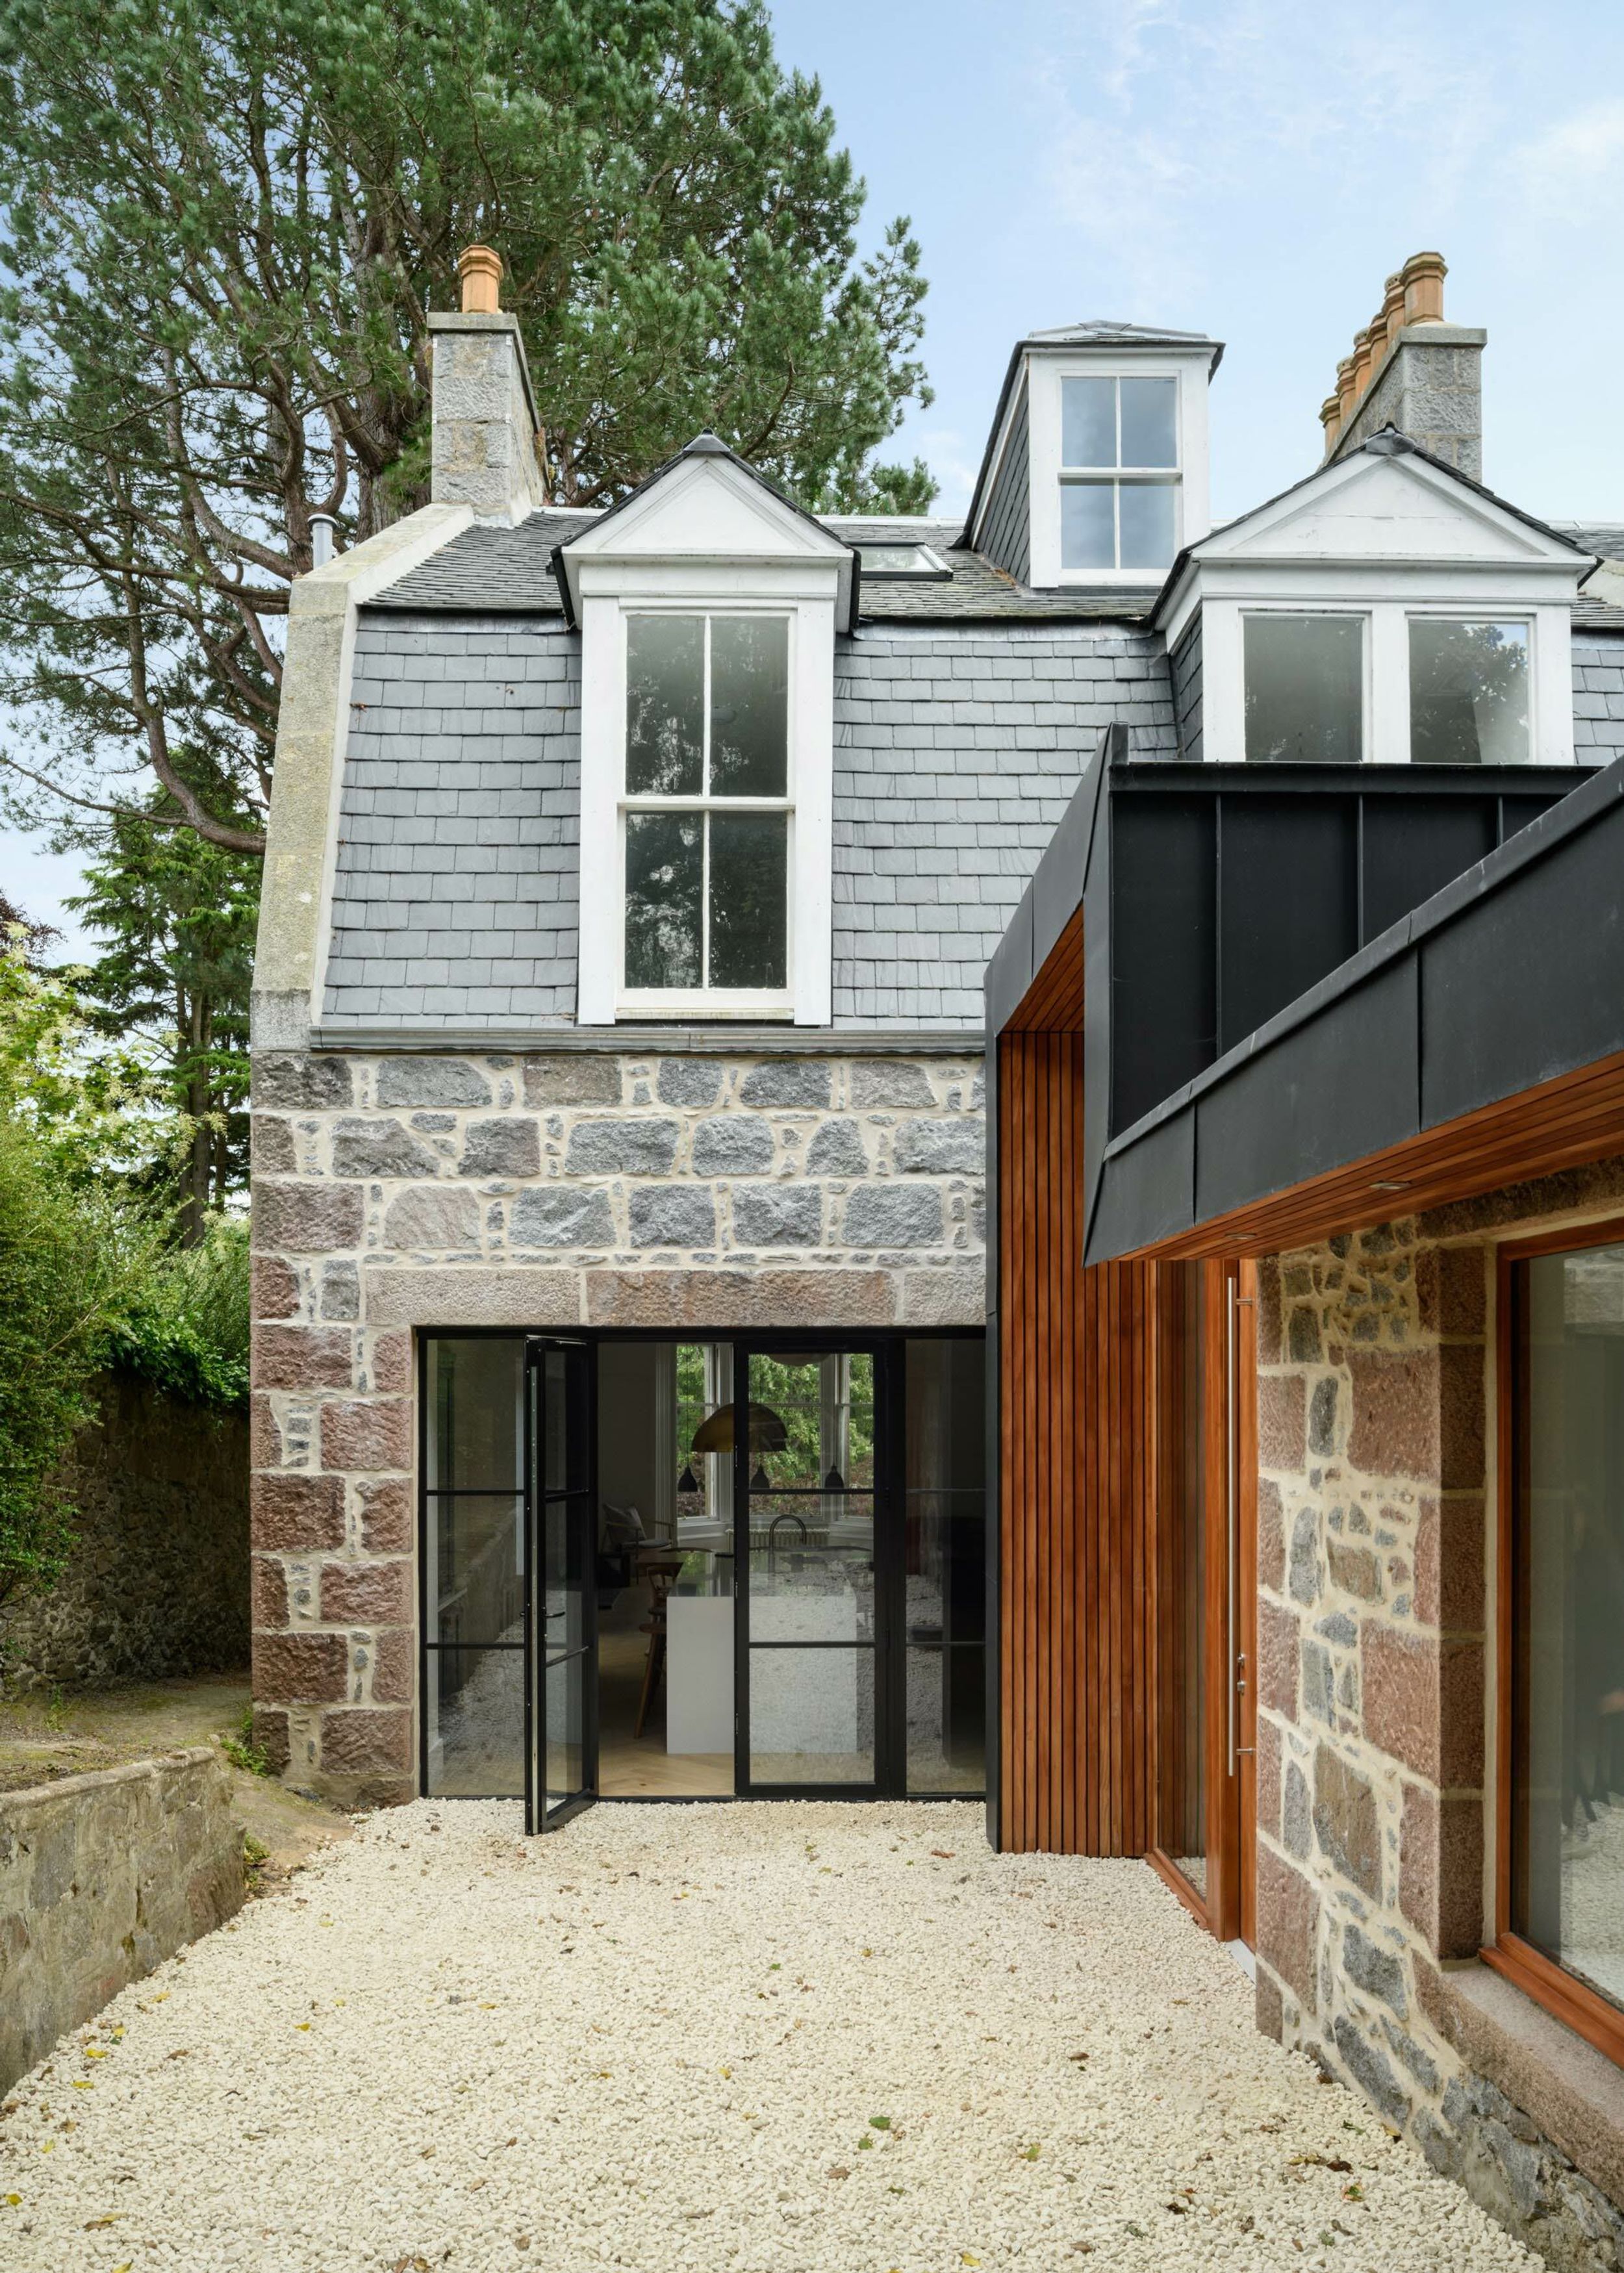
{"x":487,"y":436}
{"x":1412,"y":370}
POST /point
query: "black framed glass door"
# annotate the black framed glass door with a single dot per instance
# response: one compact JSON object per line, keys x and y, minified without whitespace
{"x":561,"y":1685}
{"x":815,"y":1541}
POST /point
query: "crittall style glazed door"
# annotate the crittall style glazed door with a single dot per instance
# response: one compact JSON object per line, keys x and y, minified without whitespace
{"x":561,"y":1685}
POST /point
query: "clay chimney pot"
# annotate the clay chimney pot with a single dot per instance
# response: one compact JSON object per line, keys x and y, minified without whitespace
{"x":1392,"y":307}
{"x":1377,"y":340}
{"x":1330,"y":418}
{"x":1345,"y":387}
{"x":1422,"y":277}
{"x":1361,"y":362}
{"x":481,"y":272}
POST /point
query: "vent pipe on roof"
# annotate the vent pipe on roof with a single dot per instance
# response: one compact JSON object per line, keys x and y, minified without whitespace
{"x":1412,"y":370}
{"x":323,"y":528}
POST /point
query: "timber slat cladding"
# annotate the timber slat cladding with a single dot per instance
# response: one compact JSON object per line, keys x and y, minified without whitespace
{"x":1077,"y":1388}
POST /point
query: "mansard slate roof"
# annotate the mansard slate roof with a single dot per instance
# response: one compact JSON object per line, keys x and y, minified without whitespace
{"x":499,"y":571}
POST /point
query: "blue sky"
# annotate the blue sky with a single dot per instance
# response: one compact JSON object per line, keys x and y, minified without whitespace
{"x":1252,"y":169}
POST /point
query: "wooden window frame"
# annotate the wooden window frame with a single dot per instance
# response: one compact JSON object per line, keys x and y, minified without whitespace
{"x":1229,"y":1399}
{"x":1562,"y":1993}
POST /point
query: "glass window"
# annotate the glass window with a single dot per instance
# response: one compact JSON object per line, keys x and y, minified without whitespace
{"x":707,"y":727}
{"x":1127,"y":425}
{"x":944,"y":1564}
{"x":1304,"y":682}
{"x":1468,"y":694}
{"x":1567,"y":1612}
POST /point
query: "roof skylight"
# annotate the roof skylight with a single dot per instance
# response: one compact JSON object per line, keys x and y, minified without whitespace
{"x":896,"y":564}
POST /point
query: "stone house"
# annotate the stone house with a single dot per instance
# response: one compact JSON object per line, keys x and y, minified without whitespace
{"x":728,"y":1322}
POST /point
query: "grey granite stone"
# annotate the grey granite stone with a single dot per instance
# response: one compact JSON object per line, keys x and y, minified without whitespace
{"x":837,"y":1151}
{"x":787,"y":1081}
{"x":571,"y":1078}
{"x":629,"y":1146}
{"x":502,"y":1148}
{"x":673,"y":1215}
{"x":341,"y":1291}
{"x":1374,"y":1970}
{"x":941,"y":1148}
{"x":379,"y":1148}
{"x":303,"y":1085}
{"x":894,"y":1215}
{"x":689,"y":1081}
{"x":1306,"y":1577}
{"x":887,"y":1081}
{"x":432,"y":1081}
{"x":555,"y":1216}
{"x":733,"y":1145}
{"x":778,"y":1215}
{"x":1373,"y":2072}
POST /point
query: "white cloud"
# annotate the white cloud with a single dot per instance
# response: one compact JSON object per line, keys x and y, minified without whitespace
{"x":1570,"y":170}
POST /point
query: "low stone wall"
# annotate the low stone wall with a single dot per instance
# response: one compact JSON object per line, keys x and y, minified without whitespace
{"x":157,"y":1584}
{"x":631,"y":1189}
{"x":101,"y":1878}
{"x":1375,"y":1404}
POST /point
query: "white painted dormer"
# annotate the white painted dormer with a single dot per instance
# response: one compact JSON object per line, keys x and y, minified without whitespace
{"x":1096,"y":474}
{"x":707,"y":605}
{"x":1384,"y":610}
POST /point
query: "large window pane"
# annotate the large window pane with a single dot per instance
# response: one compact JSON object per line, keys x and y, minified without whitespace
{"x":1146,"y":515}
{"x":945,"y":1564}
{"x":1567,"y":1814}
{"x":749,"y":904}
{"x":473,"y":1723}
{"x":1468,"y":694}
{"x":1305,"y":688}
{"x":1149,"y":422}
{"x":564,"y":1701}
{"x":664,"y":886}
{"x":811,"y":1715}
{"x":1181,"y":1780}
{"x":475,"y":1416}
{"x":1088,"y":525}
{"x":665,"y":705}
{"x":749,"y":706}
{"x":1087,"y":422}
{"x":473,"y":1574}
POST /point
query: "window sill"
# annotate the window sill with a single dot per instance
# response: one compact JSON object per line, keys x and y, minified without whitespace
{"x":1568,"y":2089}
{"x":680,"y":1008}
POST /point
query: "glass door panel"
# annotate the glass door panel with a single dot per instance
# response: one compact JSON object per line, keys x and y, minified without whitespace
{"x":563,"y":1676}
{"x":944,"y":1564}
{"x":805,"y":1474}
{"x":474,"y":1568}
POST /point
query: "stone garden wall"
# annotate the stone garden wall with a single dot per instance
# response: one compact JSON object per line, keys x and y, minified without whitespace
{"x":101,"y":1878}
{"x":157,"y":1582}
{"x":394,"y":1193}
{"x":1374,"y":1518}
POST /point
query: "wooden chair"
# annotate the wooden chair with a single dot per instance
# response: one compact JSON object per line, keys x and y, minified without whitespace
{"x":662,"y":1577}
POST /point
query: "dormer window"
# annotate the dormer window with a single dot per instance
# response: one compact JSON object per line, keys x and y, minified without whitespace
{"x":707,"y":814}
{"x":1119,"y":473}
{"x":1097,"y":473}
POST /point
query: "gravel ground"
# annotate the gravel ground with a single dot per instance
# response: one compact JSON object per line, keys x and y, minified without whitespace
{"x":770,"y":2038}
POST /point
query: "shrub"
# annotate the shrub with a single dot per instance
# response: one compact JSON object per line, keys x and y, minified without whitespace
{"x":71,"y":1260}
{"x":186,"y":1329}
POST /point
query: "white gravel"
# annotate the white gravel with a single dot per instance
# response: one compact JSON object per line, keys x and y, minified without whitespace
{"x":806,"y":2038}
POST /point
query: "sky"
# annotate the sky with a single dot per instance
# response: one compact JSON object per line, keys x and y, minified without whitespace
{"x":1250,"y":168}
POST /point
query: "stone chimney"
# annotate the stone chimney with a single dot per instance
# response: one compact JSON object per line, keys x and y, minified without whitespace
{"x":487,"y":437}
{"x":1413,"y":371}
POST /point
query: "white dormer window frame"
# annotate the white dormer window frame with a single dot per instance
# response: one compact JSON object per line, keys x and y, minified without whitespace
{"x":703,"y":542}
{"x":1049,"y":476}
{"x":1388,"y":538}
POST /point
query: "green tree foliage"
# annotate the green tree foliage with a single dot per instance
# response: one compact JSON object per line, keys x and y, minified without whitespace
{"x":177,"y":913}
{"x":90,"y":1274}
{"x":71,"y":1260}
{"x":222,"y":226}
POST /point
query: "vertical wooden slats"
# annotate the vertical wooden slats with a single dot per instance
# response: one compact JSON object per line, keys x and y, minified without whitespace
{"x":1077,"y":1364}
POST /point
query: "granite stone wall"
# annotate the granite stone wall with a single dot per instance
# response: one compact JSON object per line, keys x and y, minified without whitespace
{"x":1376,"y":1396}
{"x":398,"y":1193}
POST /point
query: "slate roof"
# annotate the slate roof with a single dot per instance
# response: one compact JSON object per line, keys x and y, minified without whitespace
{"x":501,"y":571}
